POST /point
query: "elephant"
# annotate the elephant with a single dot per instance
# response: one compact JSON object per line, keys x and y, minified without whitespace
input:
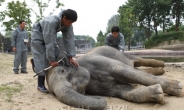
{"x":106,"y":71}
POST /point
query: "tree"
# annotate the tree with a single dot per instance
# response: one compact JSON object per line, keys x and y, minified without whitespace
{"x":163,"y":14}
{"x":144,"y":11}
{"x":1,"y":41}
{"x":113,"y":21}
{"x":1,"y":1}
{"x":16,"y":11}
{"x":92,"y":41}
{"x":177,"y":11}
{"x":100,"y":39}
{"x":85,"y":37}
{"x":127,"y":22}
{"x":42,"y":6}
{"x":139,"y":34}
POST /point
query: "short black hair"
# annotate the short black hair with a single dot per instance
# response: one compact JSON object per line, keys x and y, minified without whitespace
{"x":70,"y":14}
{"x":115,"y":29}
{"x":21,"y":21}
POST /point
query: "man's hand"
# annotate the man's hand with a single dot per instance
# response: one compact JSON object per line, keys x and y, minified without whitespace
{"x":14,"y":49}
{"x":62,"y":55}
{"x":73,"y":62}
{"x":53,"y":64}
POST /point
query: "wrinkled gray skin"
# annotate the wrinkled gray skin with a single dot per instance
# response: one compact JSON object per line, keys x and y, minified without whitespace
{"x":105,"y":71}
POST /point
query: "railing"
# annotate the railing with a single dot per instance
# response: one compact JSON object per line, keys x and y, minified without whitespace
{"x":83,"y":50}
{"x":140,"y":47}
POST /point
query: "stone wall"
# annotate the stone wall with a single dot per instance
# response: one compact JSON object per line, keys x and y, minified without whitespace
{"x":172,"y":45}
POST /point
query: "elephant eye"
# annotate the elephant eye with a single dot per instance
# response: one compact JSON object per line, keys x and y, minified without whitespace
{"x":62,"y":70}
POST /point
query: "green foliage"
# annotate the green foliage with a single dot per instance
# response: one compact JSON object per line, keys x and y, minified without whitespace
{"x":8,"y":34}
{"x":177,"y":11}
{"x":85,"y":37}
{"x":163,"y":14}
{"x":91,"y":40}
{"x":173,"y":28}
{"x":127,"y":22}
{"x":43,"y":5}
{"x":113,"y":21}
{"x":81,"y":37}
{"x":1,"y":41}
{"x":148,"y":14}
{"x":16,"y":11}
{"x":1,"y":1}
{"x":155,"y":40}
{"x":100,"y":39}
{"x":139,"y":34}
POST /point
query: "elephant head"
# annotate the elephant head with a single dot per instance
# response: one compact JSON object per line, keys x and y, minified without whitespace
{"x":69,"y":84}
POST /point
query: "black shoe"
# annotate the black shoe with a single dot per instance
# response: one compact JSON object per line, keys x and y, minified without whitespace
{"x":42,"y":89}
{"x":16,"y":72}
{"x":25,"y":72}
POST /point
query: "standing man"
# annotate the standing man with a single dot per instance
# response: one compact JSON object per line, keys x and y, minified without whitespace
{"x":115,"y":39}
{"x":43,"y":43}
{"x":19,"y":43}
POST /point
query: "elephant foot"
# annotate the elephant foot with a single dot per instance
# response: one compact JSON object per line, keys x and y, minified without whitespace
{"x":152,"y":93}
{"x":156,"y":94}
{"x":172,"y":87}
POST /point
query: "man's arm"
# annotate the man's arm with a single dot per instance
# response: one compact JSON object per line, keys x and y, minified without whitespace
{"x":69,"y":43}
{"x":27,"y":36}
{"x":121,"y":44}
{"x":107,"y":39}
{"x":49,"y":36}
{"x":13,"y":40}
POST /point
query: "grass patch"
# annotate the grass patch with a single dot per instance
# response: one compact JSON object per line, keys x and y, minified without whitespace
{"x":167,"y":59}
{"x":8,"y":91}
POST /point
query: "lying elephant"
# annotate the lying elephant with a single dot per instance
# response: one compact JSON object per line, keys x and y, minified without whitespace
{"x":105,"y":71}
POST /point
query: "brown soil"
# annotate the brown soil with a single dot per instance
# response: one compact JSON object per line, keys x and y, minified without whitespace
{"x":28,"y":98}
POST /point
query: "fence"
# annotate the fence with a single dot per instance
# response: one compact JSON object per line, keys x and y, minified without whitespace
{"x":139,"y":46}
{"x":83,"y":48}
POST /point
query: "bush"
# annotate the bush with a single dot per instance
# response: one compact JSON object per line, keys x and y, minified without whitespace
{"x":155,"y":40}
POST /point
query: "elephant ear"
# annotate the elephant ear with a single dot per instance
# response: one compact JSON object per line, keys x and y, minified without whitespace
{"x":62,"y":55}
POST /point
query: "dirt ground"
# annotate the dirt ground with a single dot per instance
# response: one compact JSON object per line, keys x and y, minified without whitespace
{"x":18,"y":91}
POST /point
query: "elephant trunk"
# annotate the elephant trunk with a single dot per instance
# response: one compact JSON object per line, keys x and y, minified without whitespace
{"x":70,"y":97}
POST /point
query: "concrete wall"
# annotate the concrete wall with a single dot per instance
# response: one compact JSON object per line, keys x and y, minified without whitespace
{"x":172,"y":45}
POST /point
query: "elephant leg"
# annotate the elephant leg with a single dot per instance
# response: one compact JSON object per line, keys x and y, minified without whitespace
{"x":153,"y":71}
{"x":153,"y":93}
{"x":148,"y":63}
{"x":131,"y":75}
{"x":127,"y":92}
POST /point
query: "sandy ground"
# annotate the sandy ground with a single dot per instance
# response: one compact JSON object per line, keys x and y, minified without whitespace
{"x":26,"y":97}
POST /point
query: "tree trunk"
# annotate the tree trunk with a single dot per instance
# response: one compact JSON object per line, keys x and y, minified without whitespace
{"x":129,"y":43}
{"x":163,"y":26}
